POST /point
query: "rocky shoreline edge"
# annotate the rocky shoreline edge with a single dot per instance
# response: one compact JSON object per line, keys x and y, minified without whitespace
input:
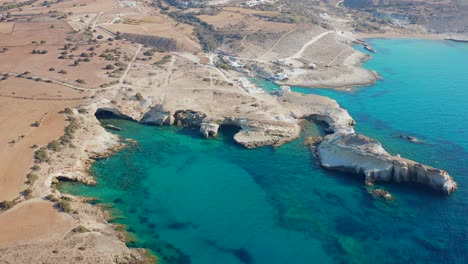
{"x":342,"y":150}
{"x":263,"y":120}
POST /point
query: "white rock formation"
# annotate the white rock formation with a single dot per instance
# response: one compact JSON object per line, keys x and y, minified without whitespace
{"x":272,"y":133}
{"x":361,"y":155}
{"x":209,"y":129}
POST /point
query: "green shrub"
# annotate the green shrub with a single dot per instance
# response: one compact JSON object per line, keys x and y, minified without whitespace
{"x":139,"y":96}
{"x":148,"y":53}
{"x":31,"y":178}
{"x":68,"y":111}
{"x":64,"y":206}
{"x":41,"y":155}
{"x":5,"y":205}
{"x":54,"y":146}
{"x":80,"y":229}
{"x":27,"y":193}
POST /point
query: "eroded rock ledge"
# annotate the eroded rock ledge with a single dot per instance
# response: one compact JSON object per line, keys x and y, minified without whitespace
{"x":362,"y":155}
{"x":343,"y":150}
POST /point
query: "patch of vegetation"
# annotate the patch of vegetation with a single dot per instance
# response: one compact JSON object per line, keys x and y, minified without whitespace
{"x":54,"y":146}
{"x":68,"y":111}
{"x":139,"y":96}
{"x":5,"y":205}
{"x":148,"y":53}
{"x":71,"y":128}
{"x":36,"y":124}
{"x":42,"y":52}
{"x":41,"y":156}
{"x":80,"y":229}
{"x":27,"y":193}
{"x":62,"y":203}
{"x":32,"y":178}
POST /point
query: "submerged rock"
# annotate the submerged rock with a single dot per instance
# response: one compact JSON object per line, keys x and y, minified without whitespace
{"x":379,"y":193}
{"x":362,"y":155}
{"x":112,"y":127}
{"x":411,"y":138}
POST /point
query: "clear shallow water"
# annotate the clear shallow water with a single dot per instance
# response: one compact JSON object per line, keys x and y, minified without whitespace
{"x":210,"y":201}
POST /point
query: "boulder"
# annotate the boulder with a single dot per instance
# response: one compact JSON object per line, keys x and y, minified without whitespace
{"x":189,"y":118}
{"x":379,"y":193}
{"x":156,"y":116}
{"x":209,"y":129}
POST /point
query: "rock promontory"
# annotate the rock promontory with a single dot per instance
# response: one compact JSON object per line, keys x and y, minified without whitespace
{"x":358,"y":154}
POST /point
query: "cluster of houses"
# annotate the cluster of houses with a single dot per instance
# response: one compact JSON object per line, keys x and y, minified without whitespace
{"x":252,"y":3}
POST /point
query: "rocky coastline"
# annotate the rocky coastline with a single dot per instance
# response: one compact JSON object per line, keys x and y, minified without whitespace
{"x":342,"y":150}
{"x":361,"y":155}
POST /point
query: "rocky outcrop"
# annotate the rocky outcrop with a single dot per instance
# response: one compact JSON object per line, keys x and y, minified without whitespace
{"x":319,"y":108}
{"x":266,"y":133}
{"x":209,"y":129}
{"x":189,"y":118}
{"x":109,"y":112}
{"x":362,"y":155}
{"x":158,"y":116}
{"x":379,"y":193}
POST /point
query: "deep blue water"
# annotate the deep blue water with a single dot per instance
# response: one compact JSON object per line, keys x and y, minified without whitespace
{"x":192,"y":200}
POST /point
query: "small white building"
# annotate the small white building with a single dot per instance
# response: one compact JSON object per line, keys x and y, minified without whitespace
{"x":252,"y":3}
{"x":280,"y":76}
{"x":233,"y":62}
{"x":128,"y":3}
{"x":312,"y":66}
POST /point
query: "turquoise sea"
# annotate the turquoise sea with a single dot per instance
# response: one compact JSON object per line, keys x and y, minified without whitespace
{"x":191,"y":200}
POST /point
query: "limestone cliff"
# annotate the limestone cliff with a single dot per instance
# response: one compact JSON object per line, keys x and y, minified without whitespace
{"x":361,"y":155}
